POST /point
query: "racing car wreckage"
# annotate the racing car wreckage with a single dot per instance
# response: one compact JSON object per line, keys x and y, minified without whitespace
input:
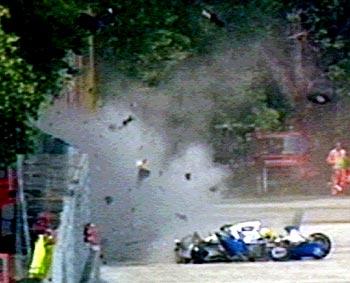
{"x":249,"y":241}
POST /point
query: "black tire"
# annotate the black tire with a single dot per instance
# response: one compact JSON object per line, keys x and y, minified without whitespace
{"x":324,"y":240}
{"x":319,"y":98}
{"x":198,"y":255}
{"x":279,"y":254}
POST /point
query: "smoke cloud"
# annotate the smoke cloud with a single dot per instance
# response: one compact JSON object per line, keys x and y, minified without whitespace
{"x":167,"y":125}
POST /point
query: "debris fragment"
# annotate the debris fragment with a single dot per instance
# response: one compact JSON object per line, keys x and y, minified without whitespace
{"x":112,"y":127}
{"x":160,"y":173}
{"x":128,"y":120}
{"x":133,"y":209}
{"x":181,"y":216}
{"x":213,"y":18}
{"x":188,"y":176}
{"x":213,"y":189}
{"x":108,"y":200}
{"x":144,"y":170}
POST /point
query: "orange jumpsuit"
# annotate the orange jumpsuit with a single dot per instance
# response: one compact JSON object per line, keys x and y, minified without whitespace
{"x":335,"y":158}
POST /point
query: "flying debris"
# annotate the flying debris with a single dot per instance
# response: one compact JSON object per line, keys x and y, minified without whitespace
{"x":112,"y":127}
{"x":128,"y":120}
{"x":320,"y":91}
{"x":319,"y":98}
{"x":213,"y":189}
{"x":213,"y":18}
{"x":144,"y":170}
{"x":108,"y":200}
{"x":181,"y":216}
{"x":188,"y":176}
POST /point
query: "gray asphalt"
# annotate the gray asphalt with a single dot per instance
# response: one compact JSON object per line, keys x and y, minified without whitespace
{"x":323,"y":214}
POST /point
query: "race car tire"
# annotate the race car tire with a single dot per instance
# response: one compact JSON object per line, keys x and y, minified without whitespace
{"x":323,"y":240}
{"x":198,"y":255}
{"x":279,"y":254}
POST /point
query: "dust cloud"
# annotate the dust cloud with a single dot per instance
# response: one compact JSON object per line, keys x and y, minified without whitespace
{"x":158,"y":209}
{"x":167,"y":125}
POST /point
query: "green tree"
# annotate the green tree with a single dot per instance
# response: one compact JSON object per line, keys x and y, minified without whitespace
{"x":19,"y":98}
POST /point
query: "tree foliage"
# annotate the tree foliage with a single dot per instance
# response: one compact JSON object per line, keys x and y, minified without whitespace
{"x":19,"y":98}
{"x":147,"y":38}
{"x":257,"y":105}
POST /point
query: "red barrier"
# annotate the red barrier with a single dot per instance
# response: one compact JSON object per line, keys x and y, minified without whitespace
{"x":8,"y":185}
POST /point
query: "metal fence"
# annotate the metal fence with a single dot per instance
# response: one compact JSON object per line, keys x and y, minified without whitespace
{"x":63,"y":185}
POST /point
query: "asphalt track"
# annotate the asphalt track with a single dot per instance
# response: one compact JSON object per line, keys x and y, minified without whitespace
{"x":315,"y":214}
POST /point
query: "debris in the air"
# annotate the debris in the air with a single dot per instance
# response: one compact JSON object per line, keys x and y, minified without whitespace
{"x":188,"y":176}
{"x":160,"y":173}
{"x":112,"y":127}
{"x":108,"y":200}
{"x":213,"y":18}
{"x":133,"y":209}
{"x":144,"y":170}
{"x":213,"y":189}
{"x":128,"y":120}
{"x":85,"y":122}
{"x":141,"y":147}
{"x":181,"y":216}
{"x":100,"y":135}
{"x":95,"y":155}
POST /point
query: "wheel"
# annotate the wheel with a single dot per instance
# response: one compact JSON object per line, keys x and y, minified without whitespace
{"x":319,"y":98}
{"x":279,"y":254}
{"x":198,"y":254}
{"x":324,"y":241}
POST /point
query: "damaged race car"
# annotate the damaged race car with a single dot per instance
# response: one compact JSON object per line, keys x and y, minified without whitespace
{"x":248,"y":241}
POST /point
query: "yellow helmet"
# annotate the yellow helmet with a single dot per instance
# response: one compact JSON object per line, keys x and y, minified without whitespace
{"x":268,"y":233}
